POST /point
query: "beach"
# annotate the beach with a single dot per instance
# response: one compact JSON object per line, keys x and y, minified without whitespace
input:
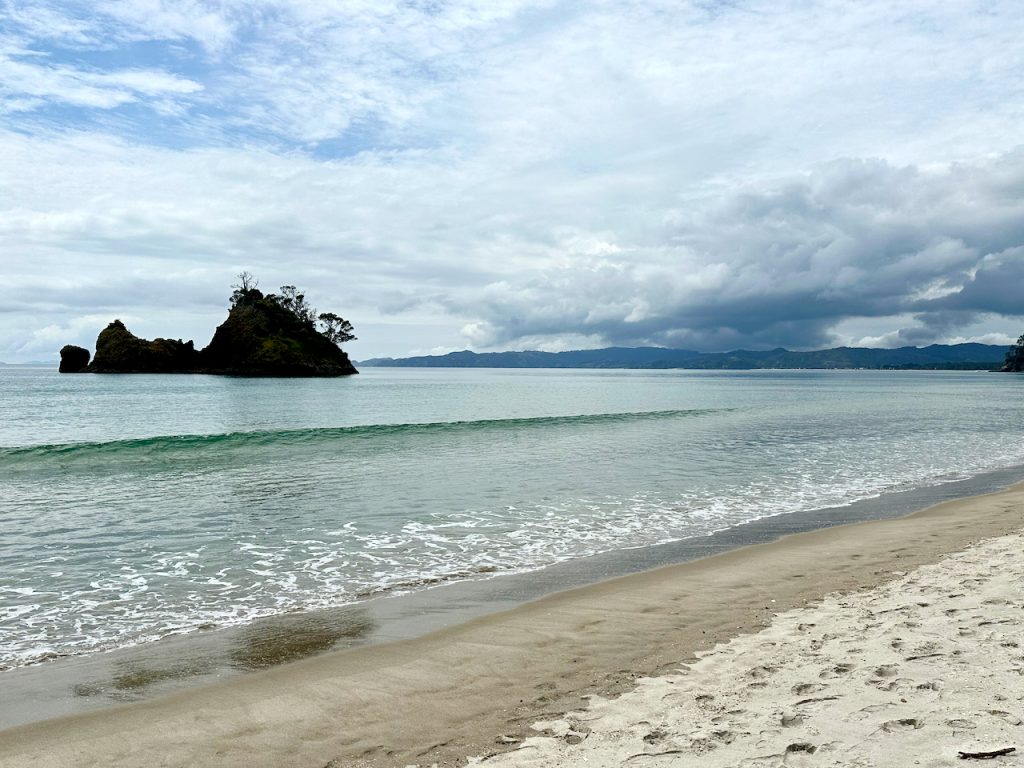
{"x":924,"y":670}
{"x":433,"y":384}
{"x":480,"y":688}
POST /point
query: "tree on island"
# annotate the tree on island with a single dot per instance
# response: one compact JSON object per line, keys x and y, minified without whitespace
{"x":336,"y":329}
{"x":295,"y":302}
{"x":247,"y":284}
{"x":1015,"y":357}
{"x":272,"y":335}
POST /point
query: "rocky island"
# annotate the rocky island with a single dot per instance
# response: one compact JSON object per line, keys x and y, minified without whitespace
{"x":263,"y":335}
{"x":1015,"y":357}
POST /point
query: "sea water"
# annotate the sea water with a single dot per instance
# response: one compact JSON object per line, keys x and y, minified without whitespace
{"x":134,"y":507}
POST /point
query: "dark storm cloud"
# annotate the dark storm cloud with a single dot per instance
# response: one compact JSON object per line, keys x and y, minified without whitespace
{"x":785,"y":263}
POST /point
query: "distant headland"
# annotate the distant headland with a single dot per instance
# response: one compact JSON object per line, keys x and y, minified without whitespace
{"x":263,"y":335}
{"x":968,"y":356}
{"x":1015,"y":357}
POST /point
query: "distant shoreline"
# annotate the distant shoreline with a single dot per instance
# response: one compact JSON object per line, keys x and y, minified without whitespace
{"x":954,"y":357}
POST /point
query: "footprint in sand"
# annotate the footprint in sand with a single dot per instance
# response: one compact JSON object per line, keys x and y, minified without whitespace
{"x":801,"y":748}
{"x":654,"y":736}
{"x":706,"y":701}
{"x":866,"y":712}
{"x":799,"y":754}
{"x":903,"y":724}
{"x":734,"y":717}
{"x":702,"y":745}
{"x":837,"y":670}
{"x":802,"y":689}
{"x":725,"y":736}
{"x":1010,"y":718}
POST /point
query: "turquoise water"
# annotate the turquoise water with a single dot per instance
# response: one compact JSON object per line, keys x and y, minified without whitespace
{"x":133,"y":507}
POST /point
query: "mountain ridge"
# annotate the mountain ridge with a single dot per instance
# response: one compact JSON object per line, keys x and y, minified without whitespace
{"x":967,"y":356}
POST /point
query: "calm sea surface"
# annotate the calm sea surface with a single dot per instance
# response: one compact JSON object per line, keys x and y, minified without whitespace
{"x":133,"y":507}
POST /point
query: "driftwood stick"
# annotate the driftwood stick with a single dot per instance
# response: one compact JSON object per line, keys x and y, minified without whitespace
{"x":986,"y":755}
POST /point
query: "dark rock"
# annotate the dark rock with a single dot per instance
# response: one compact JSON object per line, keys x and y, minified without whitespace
{"x":73,"y":359}
{"x":262,"y":338}
{"x":118,"y":350}
{"x":1015,"y":357}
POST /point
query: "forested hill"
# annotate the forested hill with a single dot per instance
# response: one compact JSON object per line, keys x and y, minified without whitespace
{"x":936,"y":356}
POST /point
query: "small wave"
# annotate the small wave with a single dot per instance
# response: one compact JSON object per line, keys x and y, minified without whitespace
{"x":161,"y":447}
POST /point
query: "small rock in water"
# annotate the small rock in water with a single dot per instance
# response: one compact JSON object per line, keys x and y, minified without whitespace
{"x":73,"y":359}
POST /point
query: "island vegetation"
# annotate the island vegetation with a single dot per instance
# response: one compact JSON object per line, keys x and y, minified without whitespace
{"x":1015,"y":357}
{"x":273,"y":334}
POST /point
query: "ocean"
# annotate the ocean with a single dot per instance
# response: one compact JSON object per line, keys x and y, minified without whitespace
{"x":133,"y":508}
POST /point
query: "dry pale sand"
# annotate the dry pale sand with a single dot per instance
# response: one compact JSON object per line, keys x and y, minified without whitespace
{"x":908,"y":673}
{"x":471,"y":689}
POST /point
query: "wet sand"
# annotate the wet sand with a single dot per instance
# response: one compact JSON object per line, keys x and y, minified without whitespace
{"x":476,"y":688}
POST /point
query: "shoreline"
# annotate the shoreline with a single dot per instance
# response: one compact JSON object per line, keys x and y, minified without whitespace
{"x":137,"y":673}
{"x":456,"y":692}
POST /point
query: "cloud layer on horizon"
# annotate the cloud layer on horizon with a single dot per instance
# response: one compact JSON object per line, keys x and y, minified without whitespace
{"x":515,"y":174}
{"x":786,"y":263}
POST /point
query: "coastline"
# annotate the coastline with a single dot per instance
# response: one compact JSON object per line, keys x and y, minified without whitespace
{"x":451,"y":694}
{"x":78,"y":684}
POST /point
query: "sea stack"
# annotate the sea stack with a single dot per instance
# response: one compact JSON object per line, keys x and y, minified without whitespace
{"x":73,"y":359}
{"x":118,"y":350}
{"x":263,"y":335}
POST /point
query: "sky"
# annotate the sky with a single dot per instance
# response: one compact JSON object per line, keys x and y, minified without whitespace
{"x":511,"y":174}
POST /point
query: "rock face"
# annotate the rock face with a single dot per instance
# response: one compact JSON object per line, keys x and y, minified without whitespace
{"x":118,"y":350}
{"x":73,"y":359}
{"x":259,"y":338}
{"x":262,"y":338}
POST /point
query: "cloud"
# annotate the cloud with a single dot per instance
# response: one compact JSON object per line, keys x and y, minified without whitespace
{"x":600,"y":82}
{"x":212,"y":27}
{"x":788,"y":261}
{"x":29,"y":81}
{"x":43,"y":342}
{"x":531,"y":173}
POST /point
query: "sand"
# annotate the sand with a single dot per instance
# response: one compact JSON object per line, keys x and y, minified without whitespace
{"x":479,"y":688}
{"x":910,"y":673}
